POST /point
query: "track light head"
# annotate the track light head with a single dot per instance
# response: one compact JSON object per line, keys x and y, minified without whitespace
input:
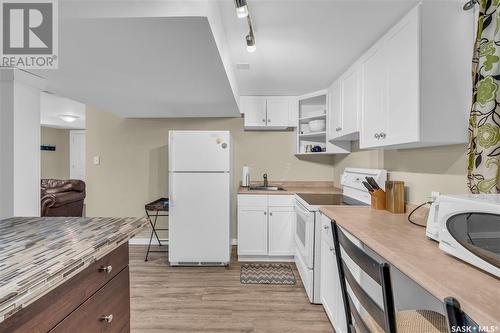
{"x":241,"y":8}
{"x":250,"y":43}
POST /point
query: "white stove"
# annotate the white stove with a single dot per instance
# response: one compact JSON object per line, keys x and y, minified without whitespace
{"x":308,"y":224}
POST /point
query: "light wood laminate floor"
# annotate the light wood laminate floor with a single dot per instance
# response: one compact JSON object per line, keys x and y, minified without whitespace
{"x":212,"y":299}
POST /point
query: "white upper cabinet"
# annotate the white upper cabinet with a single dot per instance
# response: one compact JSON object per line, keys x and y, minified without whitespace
{"x":416,"y":82}
{"x":254,"y":108}
{"x":268,"y":112}
{"x":373,"y":116}
{"x":278,"y":108}
{"x":391,"y":105}
{"x":351,"y":103}
{"x":345,"y":106}
{"x":335,"y":111}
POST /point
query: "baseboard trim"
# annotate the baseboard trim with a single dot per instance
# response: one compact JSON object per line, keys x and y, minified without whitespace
{"x":145,"y":241}
{"x":251,"y":258}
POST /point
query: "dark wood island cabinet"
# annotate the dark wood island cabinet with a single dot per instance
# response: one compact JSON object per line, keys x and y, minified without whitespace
{"x":93,"y":296}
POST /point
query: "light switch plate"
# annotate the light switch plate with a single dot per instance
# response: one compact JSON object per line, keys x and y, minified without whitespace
{"x":97,"y":160}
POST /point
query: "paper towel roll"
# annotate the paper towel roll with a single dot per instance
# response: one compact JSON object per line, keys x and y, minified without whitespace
{"x":245,"y":176}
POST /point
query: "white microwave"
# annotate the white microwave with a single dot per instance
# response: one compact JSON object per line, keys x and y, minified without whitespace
{"x":468,"y":227}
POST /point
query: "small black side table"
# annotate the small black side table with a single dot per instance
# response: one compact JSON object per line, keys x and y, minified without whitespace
{"x":157,"y":206}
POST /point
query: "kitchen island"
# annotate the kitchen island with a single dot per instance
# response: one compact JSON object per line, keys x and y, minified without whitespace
{"x":58,"y":273}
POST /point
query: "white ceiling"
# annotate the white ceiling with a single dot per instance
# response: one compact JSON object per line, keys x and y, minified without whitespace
{"x":178,"y":58}
{"x":143,"y":67}
{"x":302,"y":46}
{"x":52,"y":107}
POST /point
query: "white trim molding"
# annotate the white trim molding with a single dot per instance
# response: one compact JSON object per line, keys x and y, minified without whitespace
{"x":145,"y":241}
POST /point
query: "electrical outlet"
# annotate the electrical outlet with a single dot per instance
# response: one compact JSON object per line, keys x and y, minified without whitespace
{"x":97,"y":160}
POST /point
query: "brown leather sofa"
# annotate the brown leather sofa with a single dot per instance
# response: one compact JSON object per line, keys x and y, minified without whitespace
{"x":62,"y":197}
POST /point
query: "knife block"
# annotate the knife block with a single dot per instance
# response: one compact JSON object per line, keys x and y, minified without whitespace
{"x":378,"y":199}
{"x":395,"y":196}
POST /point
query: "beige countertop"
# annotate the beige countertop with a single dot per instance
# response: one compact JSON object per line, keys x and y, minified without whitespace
{"x":406,"y":247}
{"x":292,"y":187}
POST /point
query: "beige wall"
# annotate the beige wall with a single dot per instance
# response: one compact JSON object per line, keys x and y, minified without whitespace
{"x":423,"y":170}
{"x":55,"y":164}
{"x":133,"y":168}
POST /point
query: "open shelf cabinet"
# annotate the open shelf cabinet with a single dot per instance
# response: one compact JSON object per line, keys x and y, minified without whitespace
{"x":314,"y":107}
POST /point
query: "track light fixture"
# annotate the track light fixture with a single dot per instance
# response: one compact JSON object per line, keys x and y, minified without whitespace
{"x":241,"y":8}
{"x":242,"y":12}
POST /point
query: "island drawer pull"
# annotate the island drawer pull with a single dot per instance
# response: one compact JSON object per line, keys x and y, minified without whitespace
{"x":106,"y":269}
{"x":107,"y":318}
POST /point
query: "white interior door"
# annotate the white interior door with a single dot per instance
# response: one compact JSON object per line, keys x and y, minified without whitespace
{"x":199,"y":220}
{"x":77,"y":154}
{"x":199,"y":151}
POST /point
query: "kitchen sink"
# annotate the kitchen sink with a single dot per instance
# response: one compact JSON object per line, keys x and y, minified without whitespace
{"x":266,"y":188}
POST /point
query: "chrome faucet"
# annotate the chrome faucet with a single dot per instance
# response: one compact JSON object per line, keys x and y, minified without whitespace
{"x":265,"y":180}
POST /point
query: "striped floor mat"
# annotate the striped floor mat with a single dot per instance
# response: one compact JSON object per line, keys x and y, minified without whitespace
{"x":266,"y":274}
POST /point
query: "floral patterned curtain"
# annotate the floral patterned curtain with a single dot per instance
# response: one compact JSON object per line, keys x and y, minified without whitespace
{"x":484,"y":121}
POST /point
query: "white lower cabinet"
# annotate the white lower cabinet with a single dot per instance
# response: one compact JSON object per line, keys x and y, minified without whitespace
{"x":280,"y":223}
{"x":331,"y":294}
{"x":265,"y":227}
{"x":252,"y":230}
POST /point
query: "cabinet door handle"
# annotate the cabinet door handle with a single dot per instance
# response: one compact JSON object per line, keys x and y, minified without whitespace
{"x":107,"y":318}
{"x":331,"y":249}
{"x":326,"y":227}
{"x":106,"y":269}
{"x":269,"y":120}
{"x":338,"y":129}
{"x":264,"y":120}
{"x":377,"y":136}
{"x":382,"y":135}
{"x":270,"y":214}
{"x":265,"y":213}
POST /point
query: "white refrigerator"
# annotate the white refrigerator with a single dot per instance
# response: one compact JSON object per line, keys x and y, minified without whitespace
{"x":200,"y":184}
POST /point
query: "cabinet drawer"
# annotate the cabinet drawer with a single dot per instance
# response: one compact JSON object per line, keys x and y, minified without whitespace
{"x":281,"y":200}
{"x":49,"y":310}
{"x":252,"y":200}
{"x":112,"y":302}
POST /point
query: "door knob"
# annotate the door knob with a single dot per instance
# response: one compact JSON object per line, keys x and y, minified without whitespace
{"x":377,"y":136}
{"x":382,"y":135}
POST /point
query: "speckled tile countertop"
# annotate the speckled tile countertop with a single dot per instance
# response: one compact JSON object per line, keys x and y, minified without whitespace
{"x":38,"y":254}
